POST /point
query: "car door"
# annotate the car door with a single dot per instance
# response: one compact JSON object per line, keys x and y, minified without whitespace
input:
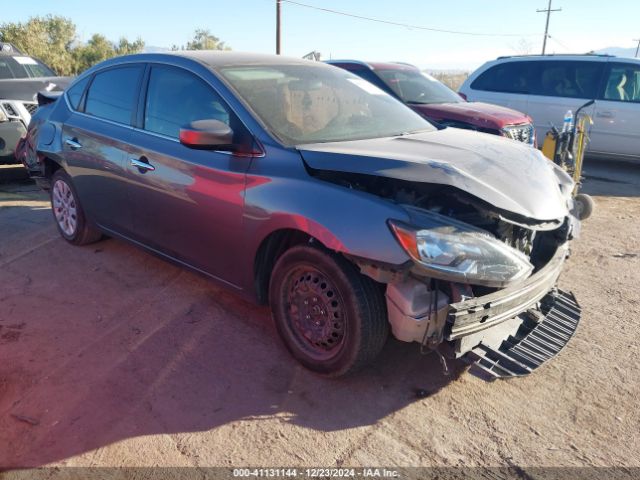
{"x":557,"y":86}
{"x":95,"y":142}
{"x":505,"y":84}
{"x":616,"y":128}
{"x":186,"y":203}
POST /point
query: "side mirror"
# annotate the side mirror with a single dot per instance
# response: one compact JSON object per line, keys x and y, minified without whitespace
{"x":207,"y":134}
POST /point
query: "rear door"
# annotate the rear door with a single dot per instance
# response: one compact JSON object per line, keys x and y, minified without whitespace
{"x":186,"y":203}
{"x":617,"y":120}
{"x":557,"y":86}
{"x":95,"y":141}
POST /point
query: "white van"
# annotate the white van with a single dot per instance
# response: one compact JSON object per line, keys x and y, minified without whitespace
{"x":545,"y":87}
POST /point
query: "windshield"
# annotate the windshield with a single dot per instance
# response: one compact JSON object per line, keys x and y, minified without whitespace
{"x":413,"y":86}
{"x":311,"y":104}
{"x":23,"y":67}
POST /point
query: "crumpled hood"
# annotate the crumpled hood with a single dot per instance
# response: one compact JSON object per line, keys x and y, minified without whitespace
{"x":502,"y":172}
{"x":26,"y":89}
{"x":480,"y":114}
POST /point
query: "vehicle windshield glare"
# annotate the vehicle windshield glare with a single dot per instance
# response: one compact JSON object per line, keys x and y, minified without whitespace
{"x":23,"y":67}
{"x":315,"y":104}
{"x":416,"y":87}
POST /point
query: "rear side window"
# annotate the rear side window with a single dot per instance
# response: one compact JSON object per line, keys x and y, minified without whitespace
{"x":509,"y":77}
{"x":577,"y":79}
{"x":74,"y":94}
{"x":176,"y":98}
{"x":623,"y":83}
{"x":112,"y":94}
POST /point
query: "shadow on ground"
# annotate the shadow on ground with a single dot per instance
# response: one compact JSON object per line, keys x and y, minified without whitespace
{"x":104,"y":342}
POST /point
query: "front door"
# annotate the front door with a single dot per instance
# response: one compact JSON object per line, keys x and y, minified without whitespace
{"x":616,"y":126}
{"x":186,"y":203}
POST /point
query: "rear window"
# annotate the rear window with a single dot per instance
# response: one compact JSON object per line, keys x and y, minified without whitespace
{"x":75,"y":92}
{"x":553,"y":78}
{"x":509,"y":77}
{"x":23,"y":67}
{"x":567,"y":79}
{"x":113,"y":93}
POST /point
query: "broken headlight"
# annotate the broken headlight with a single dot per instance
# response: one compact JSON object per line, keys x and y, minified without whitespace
{"x":450,"y":250}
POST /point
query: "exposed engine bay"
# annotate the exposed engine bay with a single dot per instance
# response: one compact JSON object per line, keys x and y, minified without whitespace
{"x":453,"y":316}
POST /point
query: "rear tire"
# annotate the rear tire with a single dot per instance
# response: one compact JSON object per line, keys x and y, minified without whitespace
{"x":68,"y":213}
{"x":331,"y":318}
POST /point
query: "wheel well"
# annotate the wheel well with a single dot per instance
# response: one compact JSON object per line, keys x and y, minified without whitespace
{"x":271,"y":248}
{"x":50,"y":167}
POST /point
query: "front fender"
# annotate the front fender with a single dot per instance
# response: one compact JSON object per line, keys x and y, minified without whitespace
{"x":344,"y":220}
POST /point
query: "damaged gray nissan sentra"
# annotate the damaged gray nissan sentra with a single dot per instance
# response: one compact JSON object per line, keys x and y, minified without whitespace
{"x":302,"y":185}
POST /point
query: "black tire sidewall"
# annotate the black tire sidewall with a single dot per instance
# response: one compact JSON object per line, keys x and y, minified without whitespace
{"x":343,"y":280}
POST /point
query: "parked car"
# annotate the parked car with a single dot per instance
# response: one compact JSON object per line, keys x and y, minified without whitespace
{"x":438,"y":103}
{"x":300,"y":185}
{"x":545,"y":87}
{"x":21,"y":77}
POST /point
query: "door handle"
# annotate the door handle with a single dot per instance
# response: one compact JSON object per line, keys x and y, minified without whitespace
{"x":605,"y":114}
{"x":73,"y":143}
{"x":142,"y":164}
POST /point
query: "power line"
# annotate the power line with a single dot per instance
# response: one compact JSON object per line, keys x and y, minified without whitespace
{"x":548,"y":10}
{"x":555,"y":39}
{"x":407,"y":25}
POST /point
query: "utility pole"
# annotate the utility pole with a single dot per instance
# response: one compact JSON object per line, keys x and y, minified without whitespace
{"x":638,"y":47}
{"x":278,"y":2}
{"x":548,"y":10}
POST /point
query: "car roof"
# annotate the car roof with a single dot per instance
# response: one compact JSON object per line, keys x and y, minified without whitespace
{"x":376,"y":65}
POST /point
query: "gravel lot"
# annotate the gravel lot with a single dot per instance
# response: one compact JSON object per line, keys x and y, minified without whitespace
{"x":112,"y":357}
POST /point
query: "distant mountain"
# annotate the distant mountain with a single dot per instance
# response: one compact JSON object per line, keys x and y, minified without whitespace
{"x":152,"y":49}
{"x":618,"y":51}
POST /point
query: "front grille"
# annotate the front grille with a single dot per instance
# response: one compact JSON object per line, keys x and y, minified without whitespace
{"x":521,"y":133}
{"x":31,"y":107}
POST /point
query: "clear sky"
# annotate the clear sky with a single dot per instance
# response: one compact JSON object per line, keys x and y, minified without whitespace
{"x":249,"y":25}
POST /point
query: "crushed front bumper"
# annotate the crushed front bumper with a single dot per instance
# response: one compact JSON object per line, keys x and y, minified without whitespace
{"x":513,"y":331}
{"x":481,"y":313}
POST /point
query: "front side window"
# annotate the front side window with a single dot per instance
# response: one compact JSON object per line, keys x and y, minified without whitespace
{"x":623,"y":83}
{"x":417,"y":87}
{"x":113,"y":93}
{"x":175,"y":98}
{"x":315,"y":103}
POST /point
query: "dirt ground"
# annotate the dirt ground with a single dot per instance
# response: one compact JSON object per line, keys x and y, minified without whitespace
{"x":112,"y":357}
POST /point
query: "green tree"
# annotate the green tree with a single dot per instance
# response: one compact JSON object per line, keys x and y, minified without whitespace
{"x":49,"y":38}
{"x":53,"y":40}
{"x":204,"y":40}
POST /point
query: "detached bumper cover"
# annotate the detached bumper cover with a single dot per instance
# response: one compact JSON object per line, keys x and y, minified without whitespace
{"x":535,"y":343}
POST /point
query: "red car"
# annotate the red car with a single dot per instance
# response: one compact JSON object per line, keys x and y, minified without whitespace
{"x":438,"y":103}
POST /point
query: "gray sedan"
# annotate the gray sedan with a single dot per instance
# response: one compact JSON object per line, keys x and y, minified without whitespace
{"x":303,"y":186}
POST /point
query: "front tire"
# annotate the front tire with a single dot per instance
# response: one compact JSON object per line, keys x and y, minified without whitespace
{"x":331,"y":318}
{"x":68,"y":213}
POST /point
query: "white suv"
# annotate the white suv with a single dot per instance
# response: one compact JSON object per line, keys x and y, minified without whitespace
{"x":545,"y":87}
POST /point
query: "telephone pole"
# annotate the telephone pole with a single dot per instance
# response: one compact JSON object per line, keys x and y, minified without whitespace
{"x":548,"y":10}
{"x":638,"y":47}
{"x":278,"y":2}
